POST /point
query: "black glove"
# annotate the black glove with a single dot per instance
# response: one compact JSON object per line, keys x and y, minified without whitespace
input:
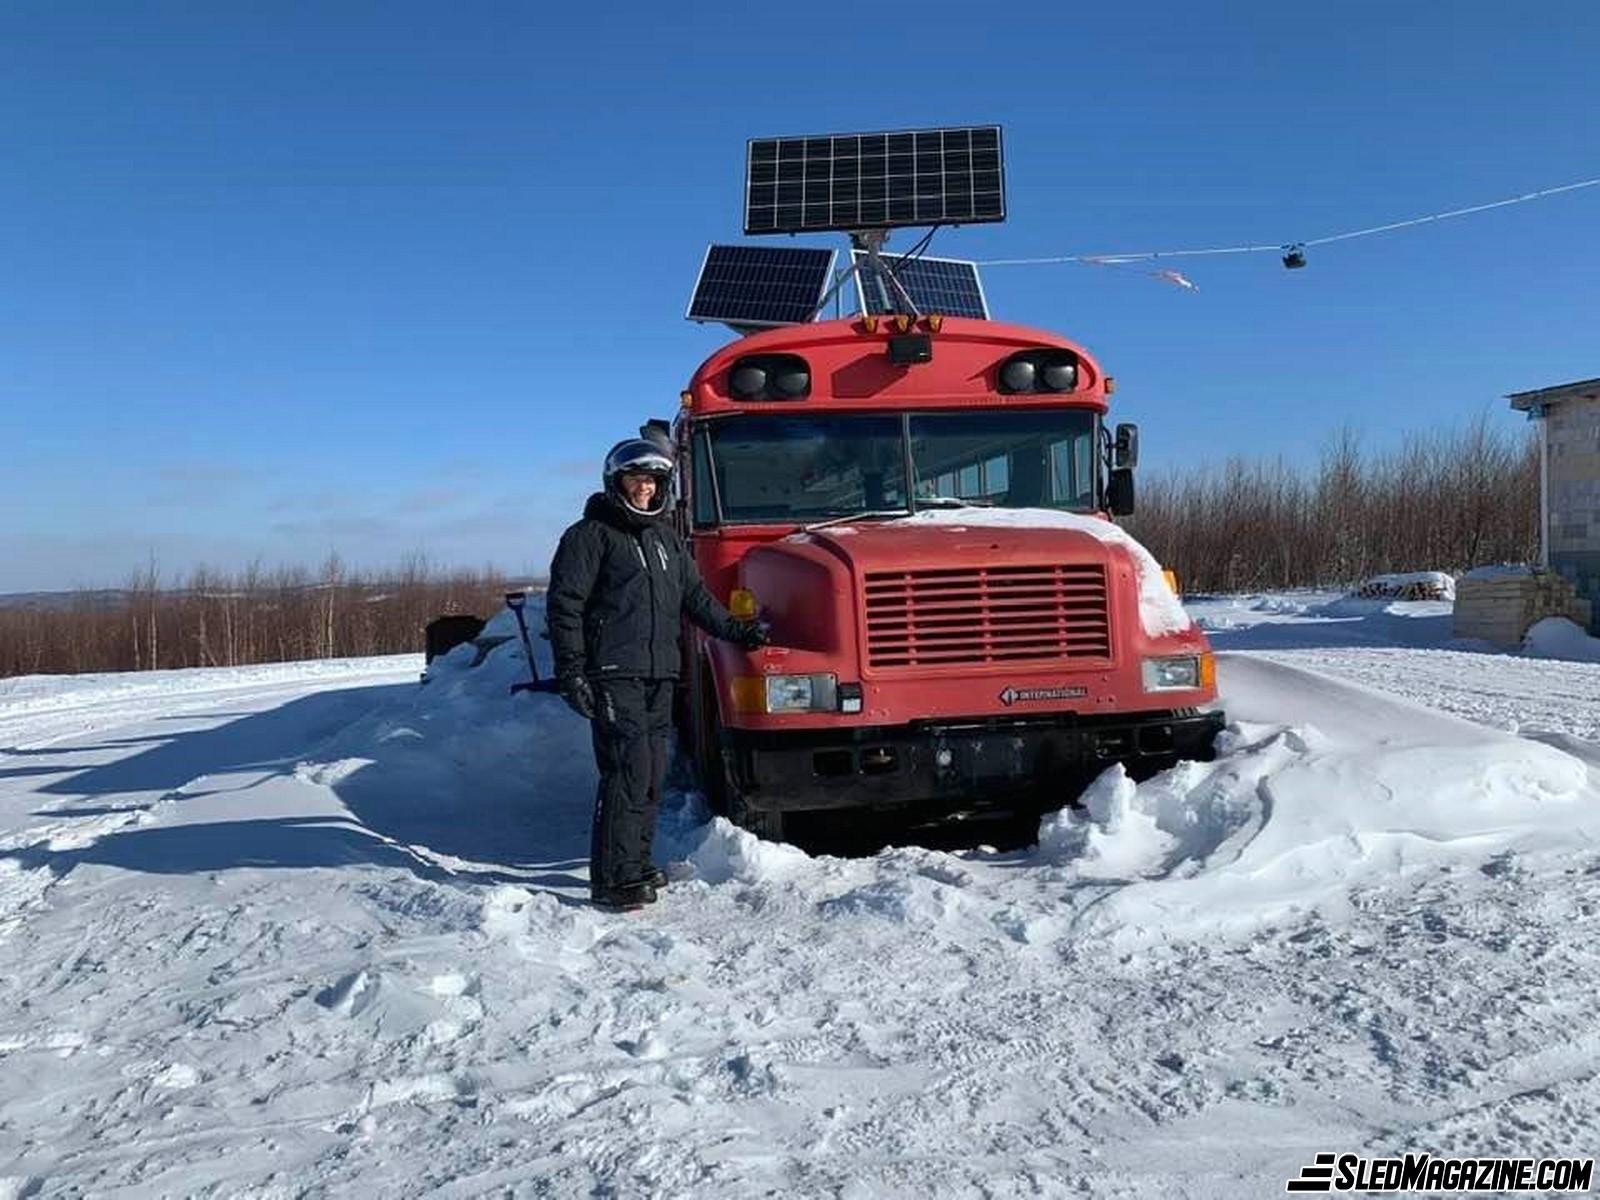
{"x":575,"y":690}
{"x":752,"y":635}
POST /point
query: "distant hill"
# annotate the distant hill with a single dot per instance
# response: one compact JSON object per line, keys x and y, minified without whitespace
{"x":111,"y":599}
{"x":99,"y":600}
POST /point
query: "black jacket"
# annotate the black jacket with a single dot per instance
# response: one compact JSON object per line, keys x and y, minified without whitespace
{"x":619,"y":586}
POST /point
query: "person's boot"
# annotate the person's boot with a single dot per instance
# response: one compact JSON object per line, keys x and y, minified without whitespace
{"x":656,"y":878}
{"x":625,"y":896}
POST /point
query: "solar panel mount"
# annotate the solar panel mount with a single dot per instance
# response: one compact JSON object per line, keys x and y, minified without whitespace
{"x":856,"y":181}
{"x":948,"y":286}
{"x":760,"y":287}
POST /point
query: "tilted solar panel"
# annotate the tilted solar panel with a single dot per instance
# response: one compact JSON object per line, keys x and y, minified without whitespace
{"x":948,"y":286}
{"x":855,"y":181}
{"x":760,"y":286}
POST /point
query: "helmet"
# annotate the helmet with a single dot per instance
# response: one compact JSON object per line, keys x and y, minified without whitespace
{"x":638,"y":456}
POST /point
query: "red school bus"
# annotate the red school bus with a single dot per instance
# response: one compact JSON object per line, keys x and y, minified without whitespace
{"x":920,"y":508}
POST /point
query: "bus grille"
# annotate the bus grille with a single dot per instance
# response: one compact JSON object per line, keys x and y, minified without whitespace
{"x":972,"y":615}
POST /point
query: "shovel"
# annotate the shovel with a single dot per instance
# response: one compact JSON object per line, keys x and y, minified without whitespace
{"x":516,"y":601}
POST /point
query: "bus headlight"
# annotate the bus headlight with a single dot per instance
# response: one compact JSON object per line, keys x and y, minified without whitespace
{"x":785,"y":693}
{"x":801,"y":693}
{"x":1172,"y":674}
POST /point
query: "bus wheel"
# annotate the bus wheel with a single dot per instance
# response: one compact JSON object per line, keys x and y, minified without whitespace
{"x":762,"y":822}
{"x":716,"y":777}
{"x":708,"y":757}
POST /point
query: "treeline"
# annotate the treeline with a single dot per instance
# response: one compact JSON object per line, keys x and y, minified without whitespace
{"x":219,"y":619}
{"x":1442,"y":501}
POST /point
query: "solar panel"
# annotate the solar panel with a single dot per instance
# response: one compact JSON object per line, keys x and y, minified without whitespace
{"x":948,"y":286}
{"x":875,"y":180}
{"x":760,"y":286}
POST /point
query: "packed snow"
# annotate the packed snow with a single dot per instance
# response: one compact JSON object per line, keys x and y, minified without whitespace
{"x":321,"y":929}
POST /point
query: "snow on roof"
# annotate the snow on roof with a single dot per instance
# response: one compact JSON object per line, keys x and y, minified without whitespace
{"x":1159,"y":610}
{"x":1499,"y":571}
{"x":1585,"y":389}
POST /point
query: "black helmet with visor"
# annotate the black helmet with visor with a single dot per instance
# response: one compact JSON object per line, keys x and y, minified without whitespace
{"x":636,"y":456}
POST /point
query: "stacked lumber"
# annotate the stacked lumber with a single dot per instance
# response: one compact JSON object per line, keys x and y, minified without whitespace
{"x":1502,"y":607}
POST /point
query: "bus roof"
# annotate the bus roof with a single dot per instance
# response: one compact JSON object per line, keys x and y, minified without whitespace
{"x":850,"y":368}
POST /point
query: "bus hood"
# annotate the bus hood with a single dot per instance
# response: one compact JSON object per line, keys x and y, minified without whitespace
{"x":911,"y":545}
{"x":991,"y":537}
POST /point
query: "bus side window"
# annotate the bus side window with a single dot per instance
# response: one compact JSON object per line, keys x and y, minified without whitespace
{"x":997,"y":476}
{"x":1061,"y":467}
{"x":1083,"y":481}
{"x":703,"y":492}
{"x":1072,"y":472}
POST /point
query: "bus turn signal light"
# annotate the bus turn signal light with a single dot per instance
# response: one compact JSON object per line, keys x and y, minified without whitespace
{"x":748,"y":693}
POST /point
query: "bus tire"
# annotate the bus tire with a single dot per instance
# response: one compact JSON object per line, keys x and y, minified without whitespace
{"x":716,"y":775}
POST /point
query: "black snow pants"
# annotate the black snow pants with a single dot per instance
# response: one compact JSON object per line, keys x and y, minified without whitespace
{"x":632,"y":720}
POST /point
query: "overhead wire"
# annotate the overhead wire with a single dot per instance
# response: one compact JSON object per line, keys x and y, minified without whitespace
{"x":1279,"y":247}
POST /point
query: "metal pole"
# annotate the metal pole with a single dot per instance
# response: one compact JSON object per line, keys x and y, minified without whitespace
{"x":1544,"y":486}
{"x":872,"y":240}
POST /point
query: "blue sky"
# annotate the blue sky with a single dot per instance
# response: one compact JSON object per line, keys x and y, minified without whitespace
{"x":277,"y":280}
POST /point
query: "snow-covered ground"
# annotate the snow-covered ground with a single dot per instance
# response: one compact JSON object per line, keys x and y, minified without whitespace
{"x":314,"y":929}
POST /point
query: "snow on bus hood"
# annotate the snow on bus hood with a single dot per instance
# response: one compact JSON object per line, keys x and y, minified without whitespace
{"x":1160,"y":613}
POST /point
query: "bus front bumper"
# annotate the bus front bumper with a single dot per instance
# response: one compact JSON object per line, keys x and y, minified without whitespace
{"x":954,"y":764}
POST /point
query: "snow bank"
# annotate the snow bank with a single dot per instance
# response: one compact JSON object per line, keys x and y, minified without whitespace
{"x":1361,"y":788}
{"x":725,"y":853}
{"x":1159,"y":610}
{"x":1557,"y":637}
{"x":468,"y":738}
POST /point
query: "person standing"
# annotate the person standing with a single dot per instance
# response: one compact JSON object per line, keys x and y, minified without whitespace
{"x":621,"y":582}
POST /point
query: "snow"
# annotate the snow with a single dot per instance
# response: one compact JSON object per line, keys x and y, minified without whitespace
{"x":317,"y":929}
{"x":1159,"y":610}
{"x":1499,"y":571}
{"x":1557,"y":637}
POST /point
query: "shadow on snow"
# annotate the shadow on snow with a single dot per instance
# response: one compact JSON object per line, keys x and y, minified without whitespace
{"x":409,"y":807}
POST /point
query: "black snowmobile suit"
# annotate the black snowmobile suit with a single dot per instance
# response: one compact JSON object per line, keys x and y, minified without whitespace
{"x":620,"y":585}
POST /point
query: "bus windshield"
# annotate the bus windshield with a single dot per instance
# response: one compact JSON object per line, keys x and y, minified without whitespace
{"x":806,"y":468}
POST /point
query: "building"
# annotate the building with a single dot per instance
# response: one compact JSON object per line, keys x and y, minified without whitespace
{"x":1569,"y":481}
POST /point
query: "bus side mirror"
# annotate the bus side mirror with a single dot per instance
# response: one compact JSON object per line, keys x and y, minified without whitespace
{"x":1119,"y":491}
{"x":1125,"y":452}
{"x":659,"y":433}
